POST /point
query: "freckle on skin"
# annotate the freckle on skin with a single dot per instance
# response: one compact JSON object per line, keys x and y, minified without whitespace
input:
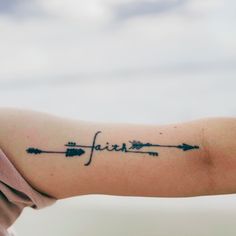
{"x":160,"y":133}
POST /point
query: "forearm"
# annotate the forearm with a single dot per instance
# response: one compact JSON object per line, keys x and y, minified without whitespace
{"x":104,"y":159}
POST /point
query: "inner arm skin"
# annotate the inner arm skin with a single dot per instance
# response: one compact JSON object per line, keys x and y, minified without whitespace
{"x":211,"y":169}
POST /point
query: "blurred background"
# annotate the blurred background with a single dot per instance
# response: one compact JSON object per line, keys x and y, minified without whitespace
{"x":139,"y":61}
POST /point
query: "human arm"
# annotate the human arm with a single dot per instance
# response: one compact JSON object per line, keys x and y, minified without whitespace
{"x":208,"y":167}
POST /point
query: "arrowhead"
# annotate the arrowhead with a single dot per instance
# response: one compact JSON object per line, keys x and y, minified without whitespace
{"x":71,"y":152}
{"x":186,"y":147}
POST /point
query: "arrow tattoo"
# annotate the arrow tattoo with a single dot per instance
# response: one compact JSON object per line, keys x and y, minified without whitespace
{"x":138,"y":145}
{"x":70,"y":152}
{"x":73,"y":149}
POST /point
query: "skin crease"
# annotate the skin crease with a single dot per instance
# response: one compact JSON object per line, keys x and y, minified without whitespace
{"x":211,"y":169}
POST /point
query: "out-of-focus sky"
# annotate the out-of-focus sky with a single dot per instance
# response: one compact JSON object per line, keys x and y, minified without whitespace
{"x":41,"y":39}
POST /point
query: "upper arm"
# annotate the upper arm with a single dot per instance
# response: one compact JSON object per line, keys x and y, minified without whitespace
{"x":122,"y":169}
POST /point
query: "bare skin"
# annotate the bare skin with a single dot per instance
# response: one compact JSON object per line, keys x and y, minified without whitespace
{"x":208,"y":166}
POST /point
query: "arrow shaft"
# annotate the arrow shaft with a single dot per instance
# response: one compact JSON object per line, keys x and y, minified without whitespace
{"x":159,"y":145}
{"x":55,"y":152}
{"x":82,"y":146}
{"x":138,"y":152}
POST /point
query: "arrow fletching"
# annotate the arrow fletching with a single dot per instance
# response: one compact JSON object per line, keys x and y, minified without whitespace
{"x":34,"y":151}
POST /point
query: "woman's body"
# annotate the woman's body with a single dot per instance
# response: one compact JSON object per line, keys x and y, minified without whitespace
{"x":60,"y":158}
{"x":210,"y":169}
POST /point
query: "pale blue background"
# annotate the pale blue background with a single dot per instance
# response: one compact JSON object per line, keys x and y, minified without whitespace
{"x":157,"y":61}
